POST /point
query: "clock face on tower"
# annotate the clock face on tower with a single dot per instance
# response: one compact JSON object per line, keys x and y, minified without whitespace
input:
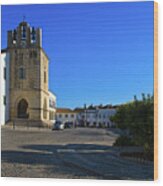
{"x":23,"y":43}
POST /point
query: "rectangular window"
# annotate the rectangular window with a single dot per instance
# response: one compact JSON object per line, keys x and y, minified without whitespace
{"x":4,"y":100}
{"x":52,"y":103}
{"x":35,"y":54}
{"x":14,"y":36}
{"x":21,"y":73}
{"x":33,"y":35}
{"x":23,"y":32}
{"x":44,"y":76}
{"x":4,"y":72}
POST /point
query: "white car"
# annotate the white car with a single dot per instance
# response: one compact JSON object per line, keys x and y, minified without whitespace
{"x":58,"y":126}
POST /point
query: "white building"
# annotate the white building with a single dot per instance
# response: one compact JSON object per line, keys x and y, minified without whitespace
{"x":97,"y":116}
{"x":4,"y":87}
{"x":93,"y":116}
{"x":66,"y":115}
{"x":52,"y":107}
{"x":103,"y":116}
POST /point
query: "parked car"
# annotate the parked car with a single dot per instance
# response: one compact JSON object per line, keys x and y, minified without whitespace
{"x":69,"y":125}
{"x":58,"y":126}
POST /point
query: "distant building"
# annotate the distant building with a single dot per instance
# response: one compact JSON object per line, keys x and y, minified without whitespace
{"x":65,"y":115}
{"x":97,"y":116}
{"x":92,"y":116}
{"x":29,"y":97}
{"x":103,"y":116}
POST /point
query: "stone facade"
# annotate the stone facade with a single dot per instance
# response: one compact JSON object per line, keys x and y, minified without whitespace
{"x":29,"y":91}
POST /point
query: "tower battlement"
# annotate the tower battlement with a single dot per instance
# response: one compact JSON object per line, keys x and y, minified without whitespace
{"x":24,"y":36}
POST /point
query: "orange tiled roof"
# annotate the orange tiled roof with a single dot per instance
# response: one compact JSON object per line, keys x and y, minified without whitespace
{"x":64,"y":110}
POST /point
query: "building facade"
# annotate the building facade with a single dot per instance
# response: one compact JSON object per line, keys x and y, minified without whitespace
{"x":4,"y":83}
{"x":29,"y":96}
{"x":97,"y":116}
{"x":65,"y":115}
{"x":52,"y":107}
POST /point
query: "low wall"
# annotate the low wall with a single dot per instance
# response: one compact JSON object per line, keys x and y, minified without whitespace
{"x":30,"y":123}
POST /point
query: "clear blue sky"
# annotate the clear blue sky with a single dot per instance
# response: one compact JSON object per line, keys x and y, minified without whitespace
{"x":99,"y":53}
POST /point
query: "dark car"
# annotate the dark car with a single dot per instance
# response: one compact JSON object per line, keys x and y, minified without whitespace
{"x":69,"y":125}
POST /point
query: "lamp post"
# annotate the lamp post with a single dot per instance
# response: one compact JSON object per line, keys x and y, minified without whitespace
{"x":85,"y":112}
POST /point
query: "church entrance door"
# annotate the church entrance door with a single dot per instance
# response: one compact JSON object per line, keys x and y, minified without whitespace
{"x":22,"y":109}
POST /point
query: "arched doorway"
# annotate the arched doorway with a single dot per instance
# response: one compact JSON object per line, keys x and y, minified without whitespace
{"x":22,"y":109}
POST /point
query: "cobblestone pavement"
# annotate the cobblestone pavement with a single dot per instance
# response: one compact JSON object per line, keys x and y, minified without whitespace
{"x":73,"y":153}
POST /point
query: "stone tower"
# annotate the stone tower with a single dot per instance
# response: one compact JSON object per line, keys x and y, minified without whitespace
{"x":29,"y":95}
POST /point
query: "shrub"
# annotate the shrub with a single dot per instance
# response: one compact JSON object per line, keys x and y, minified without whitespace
{"x":124,"y":141}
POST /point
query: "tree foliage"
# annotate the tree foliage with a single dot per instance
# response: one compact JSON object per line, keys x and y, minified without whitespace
{"x":137,"y":118}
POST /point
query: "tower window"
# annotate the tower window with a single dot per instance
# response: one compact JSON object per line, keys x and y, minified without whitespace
{"x":45,"y":109}
{"x":14,"y":36}
{"x":33,"y":54}
{"x":44,"y":76}
{"x":21,"y":73}
{"x":33,"y":35}
{"x":23,"y":32}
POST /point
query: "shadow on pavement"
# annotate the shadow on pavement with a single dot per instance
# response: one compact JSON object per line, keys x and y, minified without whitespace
{"x":79,"y":160}
{"x":47,"y":154}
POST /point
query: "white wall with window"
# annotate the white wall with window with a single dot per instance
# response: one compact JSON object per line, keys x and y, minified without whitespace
{"x":90,"y":117}
{"x":97,"y":117}
{"x":52,"y":107}
{"x":66,"y":116}
{"x":103,"y":117}
{"x":4,"y":87}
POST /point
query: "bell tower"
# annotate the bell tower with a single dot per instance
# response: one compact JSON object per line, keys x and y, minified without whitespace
{"x":24,"y":36}
{"x":28,"y":74}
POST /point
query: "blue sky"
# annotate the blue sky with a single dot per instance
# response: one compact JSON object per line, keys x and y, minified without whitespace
{"x":99,"y":53}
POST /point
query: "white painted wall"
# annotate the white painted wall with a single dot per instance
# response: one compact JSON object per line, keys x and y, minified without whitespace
{"x":67,"y":117}
{"x":95,"y":117}
{"x":104,"y":116}
{"x":4,"y":88}
{"x":52,"y":105}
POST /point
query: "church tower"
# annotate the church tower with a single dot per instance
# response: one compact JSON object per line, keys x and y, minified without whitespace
{"x":29,"y":95}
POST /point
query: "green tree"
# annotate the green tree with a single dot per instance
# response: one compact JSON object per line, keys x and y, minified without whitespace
{"x":137,"y":118}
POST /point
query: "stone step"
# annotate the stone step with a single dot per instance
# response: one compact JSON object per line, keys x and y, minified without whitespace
{"x":29,"y":123}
